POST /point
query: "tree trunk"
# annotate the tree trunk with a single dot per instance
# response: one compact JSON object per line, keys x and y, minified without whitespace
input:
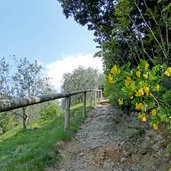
{"x":24,"y":118}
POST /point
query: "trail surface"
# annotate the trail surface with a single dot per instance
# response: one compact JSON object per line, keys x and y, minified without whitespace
{"x":110,"y":141}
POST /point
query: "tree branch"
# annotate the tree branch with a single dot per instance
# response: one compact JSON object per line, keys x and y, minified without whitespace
{"x":165,"y":55}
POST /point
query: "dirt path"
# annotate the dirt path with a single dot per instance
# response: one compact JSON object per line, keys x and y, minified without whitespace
{"x":108,"y":141}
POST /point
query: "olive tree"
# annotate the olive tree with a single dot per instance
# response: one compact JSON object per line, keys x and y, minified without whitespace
{"x":79,"y":79}
{"x":28,"y":81}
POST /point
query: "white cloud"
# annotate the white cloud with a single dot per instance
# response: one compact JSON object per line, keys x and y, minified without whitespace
{"x":68,"y":64}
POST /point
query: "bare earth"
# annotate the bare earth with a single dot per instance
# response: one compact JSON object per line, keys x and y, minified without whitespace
{"x":110,"y":141}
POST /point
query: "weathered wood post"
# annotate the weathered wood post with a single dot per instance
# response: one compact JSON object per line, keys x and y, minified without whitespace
{"x":94,"y":97}
{"x":84,"y":104}
{"x":67,"y":114}
{"x":91,"y":100}
{"x":97,"y":94}
{"x":101,"y":94}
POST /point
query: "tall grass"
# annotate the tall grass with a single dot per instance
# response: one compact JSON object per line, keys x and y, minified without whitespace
{"x":35,"y":148}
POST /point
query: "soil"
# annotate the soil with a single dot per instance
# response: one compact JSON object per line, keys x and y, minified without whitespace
{"x":109,"y":140}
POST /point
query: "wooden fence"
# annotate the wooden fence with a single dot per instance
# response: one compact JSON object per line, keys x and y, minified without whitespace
{"x":10,"y":104}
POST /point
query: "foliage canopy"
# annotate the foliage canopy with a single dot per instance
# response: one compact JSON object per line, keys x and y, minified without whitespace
{"x":126,"y":30}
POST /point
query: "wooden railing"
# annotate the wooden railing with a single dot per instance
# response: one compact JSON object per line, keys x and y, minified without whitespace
{"x":10,"y":104}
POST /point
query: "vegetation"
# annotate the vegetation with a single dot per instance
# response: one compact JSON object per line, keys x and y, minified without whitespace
{"x":37,"y":147}
{"x":142,"y":89}
{"x":4,"y":78}
{"x":134,"y":37}
{"x":81,"y":78}
{"x":126,"y":30}
{"x":98,"y":15}
{"x":26,"y":81}
{"x":134,"y":40}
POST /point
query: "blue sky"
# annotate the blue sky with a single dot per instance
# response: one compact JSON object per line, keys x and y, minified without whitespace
{"x":37,"y":29}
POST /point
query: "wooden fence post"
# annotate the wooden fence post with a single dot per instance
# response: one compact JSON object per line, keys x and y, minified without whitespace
{"x":91,"y":100}
{"x":84,"y":104}
{"x":67,"y":114}
{"x":94,"y":97}
{"x":97,"y":94}
{"x":101,"y":94}
{"x":24,"y":118}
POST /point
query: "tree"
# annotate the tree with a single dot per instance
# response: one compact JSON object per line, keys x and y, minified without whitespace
{"x":81,"y":78}
{"x":144,"y":26}
{"x":27,"y":81}
{"x":126,"y":30}
{"x":97,"y":14}
{"x":4,"y":78}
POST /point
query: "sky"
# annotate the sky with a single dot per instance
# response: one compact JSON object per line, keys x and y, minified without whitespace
{"x":37,"y":29}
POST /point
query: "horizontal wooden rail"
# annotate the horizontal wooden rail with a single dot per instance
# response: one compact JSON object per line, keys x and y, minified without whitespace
{"x":10,"y":104}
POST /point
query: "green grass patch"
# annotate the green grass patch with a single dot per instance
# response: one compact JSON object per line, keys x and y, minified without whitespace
{"x":36,"y":148}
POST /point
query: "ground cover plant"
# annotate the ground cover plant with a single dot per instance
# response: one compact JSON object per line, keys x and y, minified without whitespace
{"x":35,"y":148}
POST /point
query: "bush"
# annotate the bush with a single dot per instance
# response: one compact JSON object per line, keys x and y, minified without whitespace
{"x":50,"y":110}
{"x":6,"y":122}
{"x":141,"y":87}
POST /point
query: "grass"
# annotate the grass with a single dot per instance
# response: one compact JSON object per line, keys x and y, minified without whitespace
{"x":33,"y":149}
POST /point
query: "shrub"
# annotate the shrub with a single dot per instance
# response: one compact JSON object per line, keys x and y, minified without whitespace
{"x":6,"y":122}
{"x":49,"y":111}
{"x":142,"y":87}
